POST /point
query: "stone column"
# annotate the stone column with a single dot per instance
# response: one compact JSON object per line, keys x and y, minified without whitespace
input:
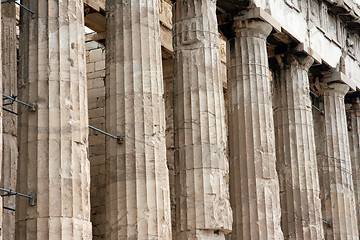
{"x":138,"y":198}
{"x":334,"y":165}
{"x":202,"y":197}
{"x":1,"y":119}
{"x":296,"y":154}
{"x":53,"y":141}
{"x":353,"y":115}
{"x":1,"y":219}
{"x":10,"y":149}
{"x":254,"y":184}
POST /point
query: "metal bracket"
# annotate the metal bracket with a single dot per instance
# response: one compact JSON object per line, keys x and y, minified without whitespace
{"x":14,"y":1}
{"x":32,"y":200}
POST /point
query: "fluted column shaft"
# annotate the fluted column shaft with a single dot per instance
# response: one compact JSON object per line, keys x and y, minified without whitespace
{"x":10,"y":149}
{"x":254,"y":182}
{"x":202,"y":197}
{"x":353,"y":115}
{"x":334,"y":165}
{"x":138,"y":198}
{"x":296,"y":154}
{"x":1,"y":175}
{"x":53,"y":141}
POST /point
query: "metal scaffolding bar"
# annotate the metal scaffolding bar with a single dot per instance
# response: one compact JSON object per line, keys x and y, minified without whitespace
{"x":321,"y":111}
{"x":10,"y":111}
{"x":317,"y":96}
{"x":13,"y":98}
{"x":119,"y":139}
{"x":12,"y":193}
{"x":14,"y":1}
{"x":9,"y":208}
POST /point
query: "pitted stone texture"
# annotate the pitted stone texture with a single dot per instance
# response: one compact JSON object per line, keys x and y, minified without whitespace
{"x":254,"y":184}
{"x":334,"y":166}
{"x":138,"y":198}
{"x":170,"y":142}
{"x":10,"y":149}
{"x":202,"y":173}
{"x":53,"y":140}
{"x":296,"y":154}
{"x":1,"y":144}
{"x":353,"y":115}
{"x":95,"y":62}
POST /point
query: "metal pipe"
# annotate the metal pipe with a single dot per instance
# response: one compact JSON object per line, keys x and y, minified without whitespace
{"x":8,"y":103}
{"x":10,"y":111}
{"x":119,"y":139}
{"x":8,"y":208}
{"x":31,"y":106}
{"x":322,"y":112}
{"x":314,"y":94}
{"x":14,"y":1}
{"x":11,"y":193}
{"x":24,"y":7}
{"x":327,"y":223}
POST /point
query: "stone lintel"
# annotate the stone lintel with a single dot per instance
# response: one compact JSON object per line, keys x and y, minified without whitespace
{"x":301,"y":47}
{"x":259,"y":13}
{"x":337,"y":76}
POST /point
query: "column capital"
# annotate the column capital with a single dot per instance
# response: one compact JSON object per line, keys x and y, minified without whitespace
{"x":253,"y":27}
{"x":294,"y":60}
{"x":337,"y":88}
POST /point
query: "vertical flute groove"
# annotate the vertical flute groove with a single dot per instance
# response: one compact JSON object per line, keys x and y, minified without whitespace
{"x":9,"y":121}
{"x":334,"y":165}
{"x":138,"y":198}
{"x":254,"y":186}
{"x":53,"y":140}
{"x":201,"y":165}
{"x":353,"y":115}
{"x":296,"y":155}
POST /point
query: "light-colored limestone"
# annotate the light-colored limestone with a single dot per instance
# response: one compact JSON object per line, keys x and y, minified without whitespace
{"x":295,"y":147}
{"x":353,"y":115}
{"x":1,"y":217}
{"x":96,"y":105}
{"x":334,"y":165}
{"x":202,"y":197}
{"x":138,"y":198}
{"x":1,"y":147}
{"x":53,"y":140}
{"x":254,"y":184}
{"x":170,"y":143}
{"x":10,"y":149}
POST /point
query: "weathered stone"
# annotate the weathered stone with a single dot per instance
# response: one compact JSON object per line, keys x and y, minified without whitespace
{"x":138,"y":198}
{"x":202,"y":193}
{"x":334,"y":165}
{"x":296,"y":154}
{"x":96,"y":105}
{"x":168,"y":72}
{"x":9,"y":121}
{"x":53,"y":141}
{"x":353,"y":115}
{"x":254,"y":184}
{"x":1,"y":181}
